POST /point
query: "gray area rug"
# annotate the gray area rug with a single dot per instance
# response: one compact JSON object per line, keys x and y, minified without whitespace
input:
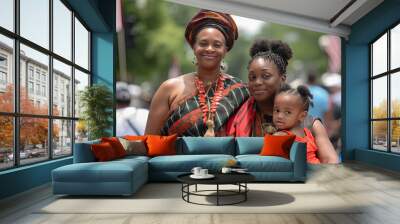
{"x":166,"y":198}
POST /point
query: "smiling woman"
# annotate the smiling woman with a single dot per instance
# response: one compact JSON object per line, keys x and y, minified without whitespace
{"x":200,"y":103}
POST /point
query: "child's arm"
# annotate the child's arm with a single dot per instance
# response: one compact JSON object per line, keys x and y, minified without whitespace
{"x":326,"y":152}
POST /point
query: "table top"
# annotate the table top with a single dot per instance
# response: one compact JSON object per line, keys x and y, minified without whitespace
{"x":220,"y":178}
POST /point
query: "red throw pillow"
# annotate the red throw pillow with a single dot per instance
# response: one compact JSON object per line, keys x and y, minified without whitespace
{"x":136,"y":137}
{"x":161,"y":145}
{"x":277,"y":145}
{"x":103,"y":151}
{"x":116,"y":145}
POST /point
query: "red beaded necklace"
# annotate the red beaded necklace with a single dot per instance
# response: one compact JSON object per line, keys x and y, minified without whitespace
{"x":209,"y":111}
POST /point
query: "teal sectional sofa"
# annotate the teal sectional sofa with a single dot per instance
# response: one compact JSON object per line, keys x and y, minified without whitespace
{"x":125,"y":176}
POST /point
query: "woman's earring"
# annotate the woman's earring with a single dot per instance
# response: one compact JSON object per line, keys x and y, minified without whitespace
{"x":223,"y":65}
{"x":194,"y":61}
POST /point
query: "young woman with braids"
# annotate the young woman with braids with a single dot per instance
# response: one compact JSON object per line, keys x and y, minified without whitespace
{"x":200,"y":103}
{"x":267,"y":76}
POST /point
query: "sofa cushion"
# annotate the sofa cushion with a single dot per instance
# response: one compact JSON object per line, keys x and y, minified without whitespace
{"x":185,"y":163}
{"x":161,"y":145}
{"x":249,"y":145}
{"x":97,"y":172}
{"x":134,"y":147}
{"x":257,"y":163}
{"x":103,"y":152}
{"x":116,"y":145}
{"x":209,"y":145}
{"x":136,"y":137}
{"x":277,"y":145}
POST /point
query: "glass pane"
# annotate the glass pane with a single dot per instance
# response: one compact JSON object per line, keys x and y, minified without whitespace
{"x":379,"y":98}
{"x":379,"y":135}
{"x":62,"y":89}
{"x":379,"y":55}
{"x":62,"y":29}
{"x":35,"y":21}
{"x":62,"y":141}
{"x":395,"y":136}
{"x":33,"y":139}
{"x":395,"y":47}
{"x":34,"y":92}
{"x":81,"y":45}
{"x":6,"y":142}
{"x":6,"y":74}
{"x":81,"y":81}
{"x":395,"y":95}
{"x":81,"y":131}
{"x":7,"y":14}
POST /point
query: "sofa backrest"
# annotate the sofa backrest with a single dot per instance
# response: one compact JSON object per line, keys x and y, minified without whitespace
{"x":205,"y":145}
{"x":249,"y":145}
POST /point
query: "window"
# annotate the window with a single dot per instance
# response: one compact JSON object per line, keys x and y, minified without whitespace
{"x":37,"y":74}
{"x":43,"y":90}
{"x":30,"y":87}
{"x":38,"y":89}
{"x":81,"y":45}
{"x":7,"y":14}
{"x":30,"y":72}
{"x":41,"y":82}
{"x":3,"y":78}
{"x":3,"y":61}
{"x":3,"y":71}
{"x":385,"y":96}
{"x":34,"y":21}
{"x":7,"y":74}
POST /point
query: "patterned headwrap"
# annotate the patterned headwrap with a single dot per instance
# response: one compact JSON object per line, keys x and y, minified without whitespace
{"x":206,"y":18}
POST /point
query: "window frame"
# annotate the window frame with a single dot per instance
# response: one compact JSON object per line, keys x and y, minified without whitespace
{"x":16,"y":114}
{"x":388,"y":74}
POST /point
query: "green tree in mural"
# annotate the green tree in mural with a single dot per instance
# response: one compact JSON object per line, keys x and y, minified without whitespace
{"x":158,"y":39}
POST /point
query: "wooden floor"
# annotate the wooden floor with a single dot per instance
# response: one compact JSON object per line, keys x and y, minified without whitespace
{"x":379,"y":189}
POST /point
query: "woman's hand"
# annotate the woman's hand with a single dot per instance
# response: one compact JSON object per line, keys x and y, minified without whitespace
{"x":326,"y":152}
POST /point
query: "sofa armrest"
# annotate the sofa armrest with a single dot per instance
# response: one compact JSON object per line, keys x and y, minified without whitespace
{"x":299,"y":158}
{"x":83,"y":152}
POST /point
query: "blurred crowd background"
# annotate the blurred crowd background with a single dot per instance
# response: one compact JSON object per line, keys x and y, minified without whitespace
{"x":152,"y":48}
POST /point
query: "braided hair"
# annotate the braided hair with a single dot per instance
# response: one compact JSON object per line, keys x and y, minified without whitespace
{"x":302,"y":91}
{"x":274,"y":51}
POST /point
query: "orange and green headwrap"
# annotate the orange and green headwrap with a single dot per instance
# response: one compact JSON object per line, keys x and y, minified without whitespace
{"x":206,"y":18}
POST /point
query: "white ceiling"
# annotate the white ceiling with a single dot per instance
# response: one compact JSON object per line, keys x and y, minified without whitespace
{"x":324,"y":16}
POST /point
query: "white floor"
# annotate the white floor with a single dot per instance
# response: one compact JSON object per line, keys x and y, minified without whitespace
{"x":377,"y":189}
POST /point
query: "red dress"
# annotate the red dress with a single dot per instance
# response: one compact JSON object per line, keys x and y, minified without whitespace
{"x":311,"y":145}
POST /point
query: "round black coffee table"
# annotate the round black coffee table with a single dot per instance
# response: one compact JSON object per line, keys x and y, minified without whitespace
{"x":238,"y":179}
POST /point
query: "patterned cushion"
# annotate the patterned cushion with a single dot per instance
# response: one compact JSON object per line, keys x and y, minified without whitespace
{"x":134,"y":147}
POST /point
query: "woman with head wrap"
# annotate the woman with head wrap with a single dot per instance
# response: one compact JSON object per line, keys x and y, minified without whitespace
{"x":200,"y":103}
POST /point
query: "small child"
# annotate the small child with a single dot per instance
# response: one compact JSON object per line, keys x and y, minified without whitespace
{"x":290,"y":109}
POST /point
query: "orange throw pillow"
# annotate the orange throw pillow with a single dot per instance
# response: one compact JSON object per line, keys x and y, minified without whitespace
{"x":116,"y":145}
{"x":103,"y":152}
{"x":135,"y":137}
{"x":277,"y":145}
{"x":161,"y":145}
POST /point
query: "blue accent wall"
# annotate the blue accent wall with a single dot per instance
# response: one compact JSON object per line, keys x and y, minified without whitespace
{"x":24,"y":178}
{"x":99,"y":16}
{"x":103,"y":66}
{"x":356,"y":97}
